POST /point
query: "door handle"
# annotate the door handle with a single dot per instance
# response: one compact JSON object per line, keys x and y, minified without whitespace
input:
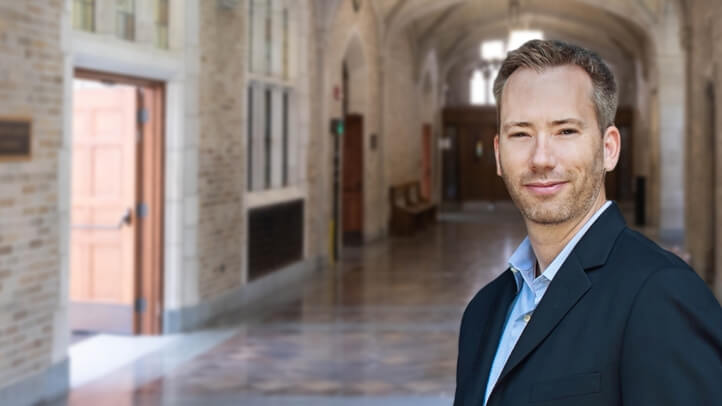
{"x":125,"y":219}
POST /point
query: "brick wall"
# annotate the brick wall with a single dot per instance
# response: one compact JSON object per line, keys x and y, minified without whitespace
{"x":221,"y":166}
{"x":31,"y":81}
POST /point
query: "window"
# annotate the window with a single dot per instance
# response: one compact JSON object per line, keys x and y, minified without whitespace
{"x":271,"y":91}
{"x":125,"y":19}
{"x":478,"y":88}
{"x":249,"y":136}
{"x":492,"y":52}
{"x":161,"y":23}
{"x":284,"y":170}
{"x":517,"y":38}
{"x":268,"y":139}
{"x":284,"y":48}
{"x":493,"y":72}
{"x":84,"y":15}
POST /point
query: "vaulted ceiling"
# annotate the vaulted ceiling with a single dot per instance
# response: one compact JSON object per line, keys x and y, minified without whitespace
{"x":617,"y":29}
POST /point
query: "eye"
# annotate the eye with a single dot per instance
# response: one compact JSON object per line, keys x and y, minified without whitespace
{"x":568,"y":131}
{"x":518,"y":135}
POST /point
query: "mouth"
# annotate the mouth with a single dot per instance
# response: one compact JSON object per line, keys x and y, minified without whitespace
{"x":545,"y":188}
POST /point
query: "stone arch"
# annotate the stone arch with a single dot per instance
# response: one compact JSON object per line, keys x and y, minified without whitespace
{"x":351,"y":40}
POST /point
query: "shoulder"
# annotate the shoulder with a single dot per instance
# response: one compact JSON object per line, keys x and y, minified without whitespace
{"x":637,"y":256}
{"x":647,"y":249}
{"x":660,"y":275}
{"x":490,"y":294}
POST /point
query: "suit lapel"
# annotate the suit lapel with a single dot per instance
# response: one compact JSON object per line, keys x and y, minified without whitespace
{"x":568,"y":286}
{"x":489,"y":338}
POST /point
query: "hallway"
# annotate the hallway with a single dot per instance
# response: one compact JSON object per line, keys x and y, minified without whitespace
{"x":380,"y":328}
{"x":292,"y":201}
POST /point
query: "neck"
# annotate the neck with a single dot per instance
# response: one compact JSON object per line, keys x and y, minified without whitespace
{"x":548,"y":240}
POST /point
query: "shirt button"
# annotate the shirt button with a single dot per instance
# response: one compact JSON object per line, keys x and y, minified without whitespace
{"x":527,"y":317}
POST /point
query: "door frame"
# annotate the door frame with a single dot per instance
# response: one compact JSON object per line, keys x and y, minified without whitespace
{"x":150,"y":186}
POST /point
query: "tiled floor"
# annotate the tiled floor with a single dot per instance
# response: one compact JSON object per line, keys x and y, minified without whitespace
{"x":380,"y":328}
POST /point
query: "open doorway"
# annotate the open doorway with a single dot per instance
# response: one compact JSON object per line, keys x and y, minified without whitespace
{"x":116,"y":231}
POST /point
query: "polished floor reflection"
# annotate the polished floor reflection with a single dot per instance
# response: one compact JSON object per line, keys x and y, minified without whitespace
{"x":379,"y":328}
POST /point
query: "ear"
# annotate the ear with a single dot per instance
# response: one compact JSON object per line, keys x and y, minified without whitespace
{"x":496,"y":154}
{"x":612,"y":145}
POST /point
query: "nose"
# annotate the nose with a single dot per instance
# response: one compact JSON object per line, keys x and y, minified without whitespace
{"x":542,"y":158}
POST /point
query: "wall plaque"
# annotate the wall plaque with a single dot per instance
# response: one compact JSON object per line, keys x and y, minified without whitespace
{"x":15,"y":139}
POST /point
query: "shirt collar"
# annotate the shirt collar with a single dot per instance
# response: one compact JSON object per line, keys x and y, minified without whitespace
{"x":523,"y":260}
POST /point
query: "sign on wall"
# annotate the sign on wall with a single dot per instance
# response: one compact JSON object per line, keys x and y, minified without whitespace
{"x":15,"y":139}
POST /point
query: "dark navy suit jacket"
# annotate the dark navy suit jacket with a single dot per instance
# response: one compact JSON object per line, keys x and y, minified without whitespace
{"x":623,"y":322}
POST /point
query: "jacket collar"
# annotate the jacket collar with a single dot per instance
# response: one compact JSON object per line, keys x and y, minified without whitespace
{"x":596,"y":245}
{"x":568,"y":287}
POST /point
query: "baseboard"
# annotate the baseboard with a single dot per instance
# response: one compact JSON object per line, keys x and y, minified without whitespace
{"x":46,"y":386}
{"x":194,"y":317}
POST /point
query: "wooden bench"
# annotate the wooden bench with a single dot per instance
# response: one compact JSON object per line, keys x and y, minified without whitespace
{"x":409,"y":211}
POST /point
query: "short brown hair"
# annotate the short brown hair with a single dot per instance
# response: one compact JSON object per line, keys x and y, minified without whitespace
{"x":541,"y":54}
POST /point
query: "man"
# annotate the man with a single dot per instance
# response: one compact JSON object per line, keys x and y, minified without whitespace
{"x":589,"y":312}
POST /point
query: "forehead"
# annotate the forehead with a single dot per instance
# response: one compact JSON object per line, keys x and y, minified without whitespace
{"x":555,"y":93}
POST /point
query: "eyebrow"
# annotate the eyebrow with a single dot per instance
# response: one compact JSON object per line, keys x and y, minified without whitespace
{"x":507,"y":126}
{"x":573,"y":121}
{"x":526,"y":124}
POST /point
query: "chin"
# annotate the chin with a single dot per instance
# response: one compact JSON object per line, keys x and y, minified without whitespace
{"x":543,"y":215}
{"x":547,"y":211}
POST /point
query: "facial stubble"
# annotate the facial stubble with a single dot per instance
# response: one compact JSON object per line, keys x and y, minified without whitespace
{"x":574,"y":202}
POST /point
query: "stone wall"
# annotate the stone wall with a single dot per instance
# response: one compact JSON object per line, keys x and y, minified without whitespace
{"x":703,"y":196}
{"x":402,"y":113}
{"x":31,"y":86}
{"x":222,"y":42}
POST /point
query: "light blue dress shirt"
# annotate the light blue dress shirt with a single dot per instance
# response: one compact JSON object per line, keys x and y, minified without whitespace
{"x":530,"y":290}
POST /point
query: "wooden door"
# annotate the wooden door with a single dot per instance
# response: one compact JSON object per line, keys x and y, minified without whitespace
{"x":474,"y":183}
{"x":353,"y":180}
{"x":476,"y":177}
{"x":102,"y":283}
{"x":426,"y":162}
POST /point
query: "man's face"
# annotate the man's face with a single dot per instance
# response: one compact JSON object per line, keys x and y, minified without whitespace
{"x":550,"y":152}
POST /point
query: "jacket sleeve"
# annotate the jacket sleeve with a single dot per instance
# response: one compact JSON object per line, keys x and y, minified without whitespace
{"x":672,"y":347}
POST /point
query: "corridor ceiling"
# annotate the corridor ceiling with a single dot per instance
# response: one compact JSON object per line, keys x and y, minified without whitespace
{"x":455,"y":28}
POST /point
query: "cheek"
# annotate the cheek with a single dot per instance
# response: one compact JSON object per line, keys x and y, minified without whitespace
{"x":514,"y":161}
{"x":580,"y":154}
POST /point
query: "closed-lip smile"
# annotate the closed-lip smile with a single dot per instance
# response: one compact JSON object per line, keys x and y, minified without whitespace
{"x":545,"y":187}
